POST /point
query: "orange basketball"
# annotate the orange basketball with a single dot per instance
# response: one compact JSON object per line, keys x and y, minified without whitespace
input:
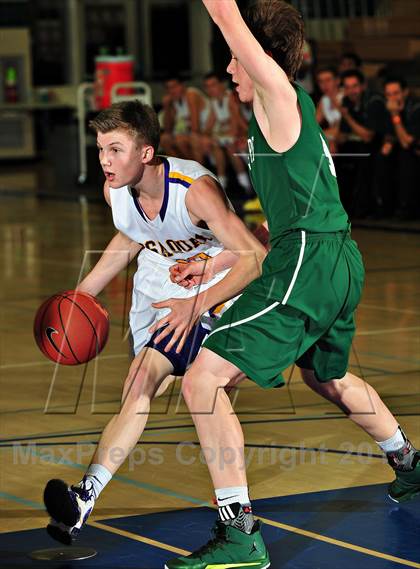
{"x":71,"y":327}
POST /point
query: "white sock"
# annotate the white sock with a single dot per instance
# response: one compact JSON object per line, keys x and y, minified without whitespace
{"x":98,"y":476}
{"x":223,"y":181}
{"x":244,"y":180}
{"x":232,"y":495}
{"x":394,"y":443}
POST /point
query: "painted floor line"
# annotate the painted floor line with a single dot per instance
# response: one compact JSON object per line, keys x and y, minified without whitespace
{"x":47,"y":363}
{"x":285,"y":527}
{"x":387,"y":331}
{"x":388,"y":309}
{"x":340,"y":543}
{"x":140,"y":538}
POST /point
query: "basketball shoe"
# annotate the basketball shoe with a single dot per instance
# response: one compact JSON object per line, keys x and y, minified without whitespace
{"x":69,"y":508}
{"x":230,"y":547}
{"x":407,"y":482}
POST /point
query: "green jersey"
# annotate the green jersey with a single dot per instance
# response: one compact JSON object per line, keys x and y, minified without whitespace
{"x":297,"y":189}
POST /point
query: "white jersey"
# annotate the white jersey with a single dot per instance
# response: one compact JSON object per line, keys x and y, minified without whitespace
{"x":221,"y":111}
{"x":182,"y":114}
{"x":169,"y":238}
{"x":331,"y":113}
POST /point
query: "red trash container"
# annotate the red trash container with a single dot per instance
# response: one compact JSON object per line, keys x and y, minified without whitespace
{"x":111,"y":69}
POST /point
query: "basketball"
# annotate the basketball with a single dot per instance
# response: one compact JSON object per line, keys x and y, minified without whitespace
{"x":71,"y":327}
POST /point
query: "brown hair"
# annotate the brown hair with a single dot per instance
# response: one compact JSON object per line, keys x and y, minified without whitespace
{"x":137,"y":119}
{"x":279,"y":29}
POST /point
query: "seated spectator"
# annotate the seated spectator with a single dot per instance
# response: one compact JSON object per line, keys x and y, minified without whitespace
{"x":328,"y":109}
{"x":355,"y":141}
{"x":397,"y":164}
{"x":349,"y":61}
{"x":222,"y":128}
{"x":185,"y":111}
{"x":305,"y":75}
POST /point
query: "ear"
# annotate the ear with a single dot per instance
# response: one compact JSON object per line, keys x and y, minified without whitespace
{"x":147,"y":154}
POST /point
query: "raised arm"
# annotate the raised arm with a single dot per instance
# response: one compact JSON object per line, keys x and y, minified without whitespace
{"x":274,"y":99}
{"x":262,"y":69}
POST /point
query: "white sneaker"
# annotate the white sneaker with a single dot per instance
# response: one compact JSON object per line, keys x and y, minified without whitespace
{"x":69,"y":508}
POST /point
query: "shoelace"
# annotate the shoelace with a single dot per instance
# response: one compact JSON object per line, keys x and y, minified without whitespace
{"x":219,"y":532}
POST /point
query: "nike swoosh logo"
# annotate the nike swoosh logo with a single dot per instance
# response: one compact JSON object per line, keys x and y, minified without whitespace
{"x":49,"y":332}
{"x":223,"y":499}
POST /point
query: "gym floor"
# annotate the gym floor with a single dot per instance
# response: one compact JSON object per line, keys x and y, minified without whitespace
{"x":317,"y":482}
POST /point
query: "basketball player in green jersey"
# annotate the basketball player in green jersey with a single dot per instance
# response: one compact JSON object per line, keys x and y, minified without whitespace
{"x":302,"y":307}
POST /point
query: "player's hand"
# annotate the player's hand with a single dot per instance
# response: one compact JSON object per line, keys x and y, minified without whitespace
{"x":180,"y":321}
{"x":191,"y":274}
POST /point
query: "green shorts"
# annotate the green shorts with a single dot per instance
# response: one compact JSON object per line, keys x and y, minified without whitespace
{"x":300,"y":310}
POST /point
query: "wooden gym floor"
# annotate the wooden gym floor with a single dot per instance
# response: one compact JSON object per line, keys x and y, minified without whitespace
{"x":317,"y":481}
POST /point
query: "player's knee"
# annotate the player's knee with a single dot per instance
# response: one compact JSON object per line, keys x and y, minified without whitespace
{"x":189,"y":387}
{"x":138,"y":385}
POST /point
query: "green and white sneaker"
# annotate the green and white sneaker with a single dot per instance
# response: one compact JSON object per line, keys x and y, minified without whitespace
{"x":230,"y":548}
{"x":406,"y":485}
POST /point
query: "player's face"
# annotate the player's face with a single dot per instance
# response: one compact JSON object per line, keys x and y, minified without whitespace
{"x":327,"y":83}
{"x":244,"y":84}
{"x":121,"y":158}
{"x":213,"y":87}
{"x":353,"y":89}
{"x":175,"y":89}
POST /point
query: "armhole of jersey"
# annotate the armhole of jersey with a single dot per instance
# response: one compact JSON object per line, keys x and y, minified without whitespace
{"x":196,"y":227}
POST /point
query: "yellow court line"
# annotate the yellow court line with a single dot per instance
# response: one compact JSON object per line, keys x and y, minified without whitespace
{"x":280,"y":525}
{"x":340,"y":543}
{"x":140,"y":538}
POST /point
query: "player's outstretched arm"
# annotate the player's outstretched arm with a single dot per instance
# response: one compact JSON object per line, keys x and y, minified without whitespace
{"x":120,"y":251}
{"x":192,"y":274}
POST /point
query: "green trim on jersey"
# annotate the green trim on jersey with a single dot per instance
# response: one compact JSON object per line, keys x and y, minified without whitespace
{"x":298,"y":188}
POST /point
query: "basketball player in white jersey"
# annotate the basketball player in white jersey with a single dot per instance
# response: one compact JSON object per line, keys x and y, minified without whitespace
{"x":222,"y":129}
{"x":167,"y":211}
{"x":185,"y":112}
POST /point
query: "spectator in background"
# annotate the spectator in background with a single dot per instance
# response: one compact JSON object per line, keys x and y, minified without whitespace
{"x":328,"y":112}
{"x":356,"y":140}
{"x":305,"y":76}
{"x":397,"y":164}
{"x":223,"y":127}
{"x":185,"y":112}
{"x":349,"y":61}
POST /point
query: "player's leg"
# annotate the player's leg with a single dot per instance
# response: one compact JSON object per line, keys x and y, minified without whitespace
{"x":220,"y":161}
{"x":358,"y":400}
{"x":167,"y":144}
{"x":196,"y":152}
{"x":365,"y":408}
{"x":237,"y":536}
{"x":326,"y":361}
{"x":240,"y":169}
{"x":147,"y":372}
{"x":183,"y":145}
{"x":70,"y":506}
